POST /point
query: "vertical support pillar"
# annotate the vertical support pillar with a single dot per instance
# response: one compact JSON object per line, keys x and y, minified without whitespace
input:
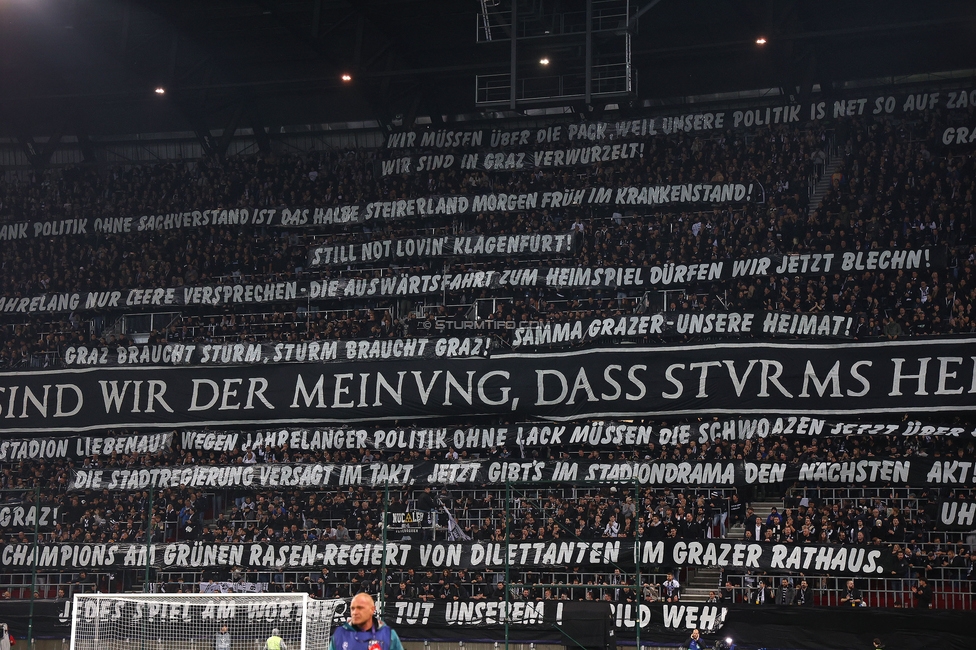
{"x":637,"y":560}
{"x":37,"y":535}
{"x":631,"y":28}
{"x":508,"y":542}
{"x":149,"y":527}
{"x":589,"y":55}
{"x":386,"y":522}
{"x":512,"y":75}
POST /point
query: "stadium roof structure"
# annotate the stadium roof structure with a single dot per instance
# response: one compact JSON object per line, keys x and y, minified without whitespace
{"x":92,"y":68}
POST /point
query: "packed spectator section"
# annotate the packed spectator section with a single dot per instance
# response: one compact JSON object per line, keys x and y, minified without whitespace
{"x":885,"y":183}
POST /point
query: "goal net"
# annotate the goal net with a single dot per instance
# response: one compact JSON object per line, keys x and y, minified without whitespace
{"x":197,"y":621}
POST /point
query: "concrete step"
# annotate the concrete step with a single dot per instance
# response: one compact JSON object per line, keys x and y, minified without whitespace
{"x":697,"y":595}
{"x":763,"y":508}
{"x":707,"y":575}
{"x":699,"y":587}
{"x":698,"y":590}
{"x":823,"y":185}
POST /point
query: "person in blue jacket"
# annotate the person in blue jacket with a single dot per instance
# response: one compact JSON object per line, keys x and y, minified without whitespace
{"x":695,"y":642}
{"x":364,"y":630}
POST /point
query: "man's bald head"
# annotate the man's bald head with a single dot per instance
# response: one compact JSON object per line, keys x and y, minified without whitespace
{"x":361,"y":611}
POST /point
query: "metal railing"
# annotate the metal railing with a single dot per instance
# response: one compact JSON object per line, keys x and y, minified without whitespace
{"x":950,"y":589}
{"x":495,"y":23}
{"x":820,"y":165}
{"x":608,"y":80}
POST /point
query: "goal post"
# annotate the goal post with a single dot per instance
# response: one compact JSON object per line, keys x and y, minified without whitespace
{"x":196,"y":621}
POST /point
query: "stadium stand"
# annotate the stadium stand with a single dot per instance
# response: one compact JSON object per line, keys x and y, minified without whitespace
{"x":850,"y":243}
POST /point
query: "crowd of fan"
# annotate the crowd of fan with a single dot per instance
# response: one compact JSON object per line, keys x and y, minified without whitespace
{"x":889,"y":191}
{"x":654,"y":513}
{"x":903,"y":529}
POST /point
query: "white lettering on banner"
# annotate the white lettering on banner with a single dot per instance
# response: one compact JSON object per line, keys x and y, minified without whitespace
{"x":139,"y":479}
{"x":961,"y":514}
{"x":61,"y":555}
{"x":955,"y":99}
{"x":26,"y":516}
{"x":603,"y":382}
{"x":952,"y":472}
{"x":239,"y":293}
{"x":135,"y":444}
{"x":683,"y":324}
{"x":805,"y":263}
{"x":959,"y":135}
{"x":748,"y":429}
{"x":594,"y":434}
{"x":787,"y":557}
{"x":13,"y":231}
{"x":82,"y":447}
{"x":824,"y":325}
{"x":491,"y":613}
{"x":958,"y":472}
{"x":488,"y":556}
{"x":35,"y":448}
{"x":309,"y":351}
{"x":436,"y":139}
{"x":662,"y":473}
{"x":860,"y":471}
{"x":412,"y":613}
{"x":599,"y":433}
{"x":690,"y":617}
{"x":514,"y":161}
{"x":208,"y":441}
{"x":37,"y":401}
{"x":478,"y":245}
{"x":671,"y":274}
{"x":175,"y":354}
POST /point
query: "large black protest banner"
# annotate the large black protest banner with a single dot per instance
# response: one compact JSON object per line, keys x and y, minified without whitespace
{"x":465,"y":619}
{"x":501,"y":161}
{"x":808,"y":628}
{"x":405,"y":285}
{"x":675,"y":324}
{"x":720,"y":379}
{"x":230,"y":354}
{"x":589,"y":624}
{"x":761,"y":114}
{"x":425,"y":206}
{"x":597,"y":555}
{"x":843,"y":628}
{"x":874,"y":471}
{"x":595,"y":434}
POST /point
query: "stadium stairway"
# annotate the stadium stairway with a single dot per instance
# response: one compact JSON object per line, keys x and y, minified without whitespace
{"x":706,"y":580}
{"x":820,"y":190}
